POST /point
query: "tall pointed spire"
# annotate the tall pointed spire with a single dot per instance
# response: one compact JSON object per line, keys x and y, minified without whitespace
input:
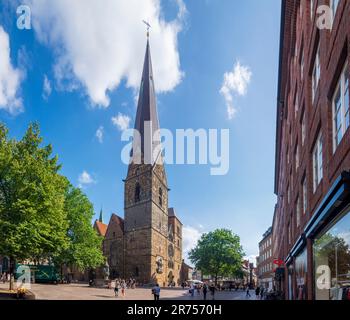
{"x":147,"y":122}
{"x":101,"y":216}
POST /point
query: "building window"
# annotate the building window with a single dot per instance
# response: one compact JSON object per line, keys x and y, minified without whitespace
{"x":304,"y":196}
{"x":296,"y":104}
{"x":160,"y":197}
{"x":289,"y":234}
{"x":297,"y":158}
{"x":341,"y":108}
{"x":137,"y":192}
{"x":302,"y":63}
{"x":334,"y":6}
{"x":298,"y":212}
{"x":303,"y":130}
{"x":316,"y":73}
{"x":317,"y":162}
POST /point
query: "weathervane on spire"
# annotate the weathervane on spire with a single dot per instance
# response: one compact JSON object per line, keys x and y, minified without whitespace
{"x":148,"y":27}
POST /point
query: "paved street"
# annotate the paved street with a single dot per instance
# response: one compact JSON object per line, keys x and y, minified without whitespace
{"x":84,"y":292}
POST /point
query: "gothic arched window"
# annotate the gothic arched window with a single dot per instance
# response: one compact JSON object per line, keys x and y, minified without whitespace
{"x":160,"y":197}
{"x":137,"y":192}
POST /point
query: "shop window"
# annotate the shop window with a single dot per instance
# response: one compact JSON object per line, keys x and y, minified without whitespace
{"x":332,"y":261}
{"x":301,"y":275}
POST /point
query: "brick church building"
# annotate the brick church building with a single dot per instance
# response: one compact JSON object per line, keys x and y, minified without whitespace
{"x":147,"y":243}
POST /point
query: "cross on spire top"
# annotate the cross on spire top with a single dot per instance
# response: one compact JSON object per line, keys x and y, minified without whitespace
{"x":148,"y":27}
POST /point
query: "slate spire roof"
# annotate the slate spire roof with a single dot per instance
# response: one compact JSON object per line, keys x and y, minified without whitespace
{"x":147,"y":107}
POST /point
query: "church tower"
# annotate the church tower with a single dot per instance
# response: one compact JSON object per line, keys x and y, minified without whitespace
{"x":146,"y":192}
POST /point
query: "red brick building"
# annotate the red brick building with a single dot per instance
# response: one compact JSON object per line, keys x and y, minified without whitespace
{"x":311,"y":224}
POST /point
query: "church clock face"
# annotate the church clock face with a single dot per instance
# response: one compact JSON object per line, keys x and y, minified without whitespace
{"x":171,"y":250}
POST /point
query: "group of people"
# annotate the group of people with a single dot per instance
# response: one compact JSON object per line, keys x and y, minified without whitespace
{"x":259,"y":293}
{"x":202,"y":289}
{"x":121,"y":285}
{"x":4,"y":277}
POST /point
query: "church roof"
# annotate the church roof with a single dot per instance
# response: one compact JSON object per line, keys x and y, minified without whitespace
{"x":118,"y":220}
{"x":171,"y":212}
{"x":101,"y":228}
{"x":147,"y":105}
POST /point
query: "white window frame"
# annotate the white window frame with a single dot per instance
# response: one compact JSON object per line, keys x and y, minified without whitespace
{"x":342,"y":88}
{"x":316,"y":73}
{"x":317,"y":162}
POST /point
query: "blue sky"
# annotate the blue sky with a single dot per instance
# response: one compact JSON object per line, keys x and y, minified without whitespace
{"x":194,"y":43}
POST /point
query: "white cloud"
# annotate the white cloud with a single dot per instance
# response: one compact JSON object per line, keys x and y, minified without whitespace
{"x":121,"y":121}
{"x":46,"y":88}
{"x":235,"y":83}
{"x":99,"y":134}
{"x":85,"y":179}
{"x":190,"y":237}
{"x":10,"y":78}
{"x":96,"y":46}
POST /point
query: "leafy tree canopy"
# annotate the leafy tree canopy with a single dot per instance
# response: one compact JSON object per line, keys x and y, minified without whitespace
{"x":218,"y":253}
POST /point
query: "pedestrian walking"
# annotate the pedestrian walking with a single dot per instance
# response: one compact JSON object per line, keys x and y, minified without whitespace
{"x":262,"y":293}
{"x":205,"y":290}
{"x":248,"y":293}
{"x":257,"y":292}
{"x":192,"y":290}
{"x":156,"y":292}
{"x":116,"y":288}
{"x":212,"y":290}
{"x":123,"y":287}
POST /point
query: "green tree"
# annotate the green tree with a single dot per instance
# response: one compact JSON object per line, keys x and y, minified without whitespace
{"x":33,"y":220}
{"x":85,"y":246}
{"x":218,"y":253}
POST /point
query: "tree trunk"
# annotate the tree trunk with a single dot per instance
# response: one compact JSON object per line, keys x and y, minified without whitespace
{"x":12,"y":269}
